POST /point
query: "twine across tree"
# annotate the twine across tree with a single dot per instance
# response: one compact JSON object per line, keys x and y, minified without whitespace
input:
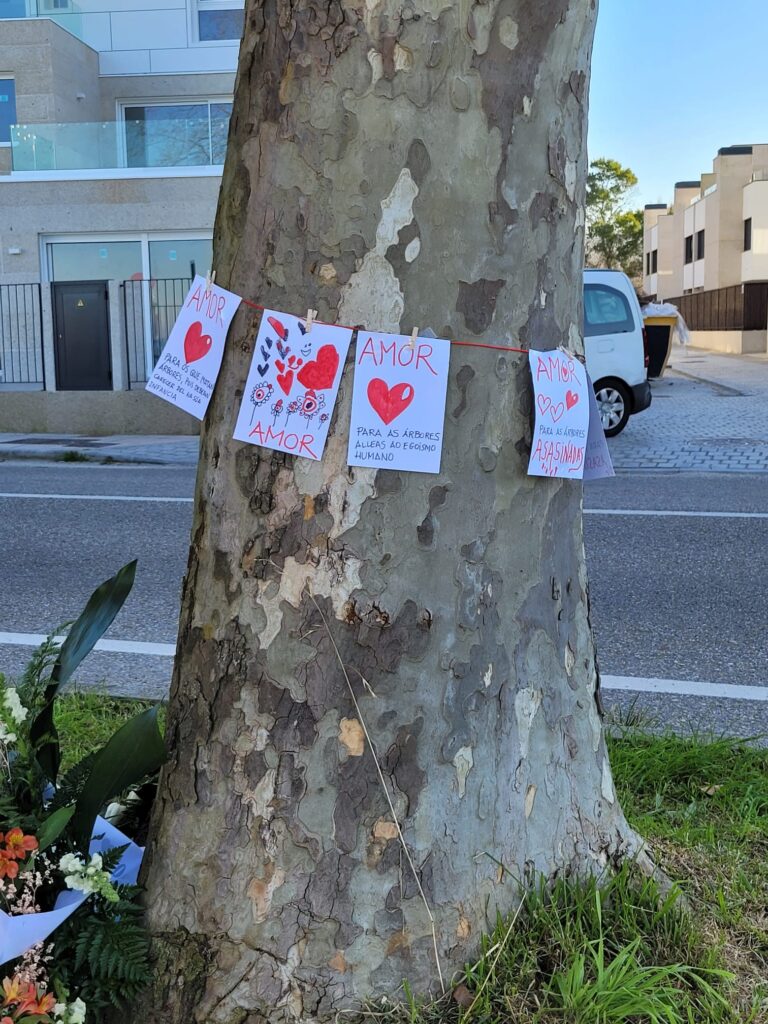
{"x":384,"y":706}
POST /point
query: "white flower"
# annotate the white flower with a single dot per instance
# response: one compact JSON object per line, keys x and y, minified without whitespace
{"x":59,"y":1010}
{"x":14,"y":705}
{"x":5,"y":735}
{"x":76,"y":1012}
{"x":70,"y":864}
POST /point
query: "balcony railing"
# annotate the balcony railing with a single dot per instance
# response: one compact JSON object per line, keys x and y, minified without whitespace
{"x":65,"y":13}
{"x":105,"y":145}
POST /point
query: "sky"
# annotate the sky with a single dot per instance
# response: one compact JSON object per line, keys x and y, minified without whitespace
{"x":673,"y":81}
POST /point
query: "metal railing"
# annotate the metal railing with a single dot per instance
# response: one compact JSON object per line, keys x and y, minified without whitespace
{"x":740,"y":307}
{"x":21,"y":337}
{"x":149,"y":310}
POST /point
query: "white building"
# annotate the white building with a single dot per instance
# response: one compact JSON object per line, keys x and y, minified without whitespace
{"x":113,"y":126}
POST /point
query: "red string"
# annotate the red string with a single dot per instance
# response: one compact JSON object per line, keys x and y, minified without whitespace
{"x":466,"y":344}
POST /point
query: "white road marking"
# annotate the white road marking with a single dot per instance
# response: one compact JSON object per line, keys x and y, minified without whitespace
{"x":95,"y":497}
{"x":635,"y":684}
{"x":685,"y":687}
{"x":673,"y":512}
{"x":115,"y":646}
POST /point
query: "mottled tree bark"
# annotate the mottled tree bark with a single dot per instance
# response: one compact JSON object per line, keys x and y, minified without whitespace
{"x":393,"y":164}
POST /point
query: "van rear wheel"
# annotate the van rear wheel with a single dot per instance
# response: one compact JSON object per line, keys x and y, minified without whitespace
{"x":613,"y":404}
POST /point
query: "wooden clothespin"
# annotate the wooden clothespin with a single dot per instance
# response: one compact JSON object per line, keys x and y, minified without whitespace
{"x":210,"y":278}
{"x":310,"y":319}
{"x":414,"y":335}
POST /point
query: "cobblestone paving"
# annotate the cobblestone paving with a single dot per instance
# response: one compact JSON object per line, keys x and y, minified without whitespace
{"x":709,"y":414}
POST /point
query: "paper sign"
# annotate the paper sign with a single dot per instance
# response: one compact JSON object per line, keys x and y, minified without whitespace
{"x":186,"y":371}
{"x":597,"y":461}
{"x":292,"y":385}
{"x":398,"y":402}
{"x":562,"y":415}
{"x":20,"y":932}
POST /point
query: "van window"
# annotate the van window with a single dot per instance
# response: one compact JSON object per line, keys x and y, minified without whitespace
{"x":606,"y":311}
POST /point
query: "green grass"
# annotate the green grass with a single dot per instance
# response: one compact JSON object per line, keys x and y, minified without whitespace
{"x":87,"y":720}
{"x":618,"y":951}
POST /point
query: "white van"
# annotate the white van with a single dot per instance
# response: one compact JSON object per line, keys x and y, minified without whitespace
{"x":615,"y":347}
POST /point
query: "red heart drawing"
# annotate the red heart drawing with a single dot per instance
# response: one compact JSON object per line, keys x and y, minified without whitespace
{"x":196,"y":344}
{"x":285,"y":380}
{"x":571,"y":399}
{"x":543,"y":402}
{"x":278,"y":327}
{"x":386,"y":402}
{"x":320,"y":373}
{"x":280,"y":365}
{"x":557,"y":411}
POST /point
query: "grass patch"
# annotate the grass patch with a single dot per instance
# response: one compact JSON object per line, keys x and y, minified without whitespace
{"x":86,"y":721}
{"x":72,"y":455}
{"x":580,"y":953}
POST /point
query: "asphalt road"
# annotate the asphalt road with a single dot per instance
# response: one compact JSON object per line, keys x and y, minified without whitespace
{"x":674,"y":597}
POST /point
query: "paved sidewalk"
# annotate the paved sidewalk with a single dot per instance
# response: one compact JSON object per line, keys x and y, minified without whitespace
{"x":157,"y":449}
{"x":709,"y":414}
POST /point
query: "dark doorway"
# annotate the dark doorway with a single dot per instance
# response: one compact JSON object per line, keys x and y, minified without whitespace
{"x":81,"y":313}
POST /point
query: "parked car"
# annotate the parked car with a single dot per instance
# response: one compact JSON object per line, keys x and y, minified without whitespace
{"x":616,"y":348}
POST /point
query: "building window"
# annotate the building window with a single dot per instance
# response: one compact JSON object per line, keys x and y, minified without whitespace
{"x":689,"y":248}
{"x":176,"y":134}
{"x":95,"y":261}
{"x":747,"y":234}
{"x":647,"y":263}
{"x":654,"y":261}
{"x":700,"y":245}
{"x":219,"y":20}
{"x":7,"y":108}
{"x":13,"y":9}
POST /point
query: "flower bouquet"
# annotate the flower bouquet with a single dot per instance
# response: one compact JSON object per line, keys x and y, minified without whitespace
{"x":72,"y":942}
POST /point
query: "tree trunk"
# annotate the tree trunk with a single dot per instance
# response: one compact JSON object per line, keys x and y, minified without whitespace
{"x":393,"y":164}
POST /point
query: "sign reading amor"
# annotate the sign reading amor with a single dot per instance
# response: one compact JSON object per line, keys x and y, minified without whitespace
{"x":292,"y":385}
{"x":398,"y":402}
{"x":562,"y":415}
{"x":187,"y":369}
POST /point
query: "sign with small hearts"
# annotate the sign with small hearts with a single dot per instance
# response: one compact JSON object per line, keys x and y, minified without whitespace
{"x":561,"y":397}
{"x":292,"y":385}
{"x":398,"y":402}
{"x":186,"y":372}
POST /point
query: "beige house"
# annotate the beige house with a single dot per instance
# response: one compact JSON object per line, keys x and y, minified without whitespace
{"x":708,"y":251}
{"x":113,"y":125}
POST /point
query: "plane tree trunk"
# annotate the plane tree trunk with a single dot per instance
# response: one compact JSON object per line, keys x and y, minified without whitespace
{"x":393,"y":164}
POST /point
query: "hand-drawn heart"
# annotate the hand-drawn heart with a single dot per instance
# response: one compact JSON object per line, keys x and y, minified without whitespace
{"x":283,"y":349}
{"x":262,"y":369}
{"x":386,"y":402}
{"x":543,"y":402}
{"x":557,"y":411}
{"x":571,"y":399}
{"x":280,"y":365}
{"x":285,"y":381}
{"x":278,"y":327}
{"x":321,"y":372}
{"x":196,"y":344}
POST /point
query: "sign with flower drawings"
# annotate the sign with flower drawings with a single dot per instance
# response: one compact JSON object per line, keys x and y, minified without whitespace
{"x":292,"y":385}
{"x":186,"y":372}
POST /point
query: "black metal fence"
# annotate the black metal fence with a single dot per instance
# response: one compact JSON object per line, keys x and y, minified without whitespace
{"x":149,"y":307}
{"x":21,"y":337}
{"x":740,"y":307}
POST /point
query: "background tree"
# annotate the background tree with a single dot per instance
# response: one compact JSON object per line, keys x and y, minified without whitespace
{"x":354,"y":642}
{"x":614,"y":233}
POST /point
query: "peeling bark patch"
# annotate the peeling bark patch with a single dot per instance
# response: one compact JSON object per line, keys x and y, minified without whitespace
{"x":477,"y":303}
{"x":463,"y":762}
{"x":463,"y":379}
{"x":527,"y":703}
{"x":530,"y":797}
{"x":607,"y":782}
{"x":352,"y":737}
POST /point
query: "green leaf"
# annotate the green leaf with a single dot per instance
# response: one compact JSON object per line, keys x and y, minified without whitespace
{"x":53,"y":826}
{"x":135,"y":751}
{"x":95,"y":619}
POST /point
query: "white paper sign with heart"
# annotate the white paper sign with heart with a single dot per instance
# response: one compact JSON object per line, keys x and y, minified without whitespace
{"x":398,"y":402}
{"x":562,"y":415}
{"x":292,"y":385}
{"x":186,"y":372}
